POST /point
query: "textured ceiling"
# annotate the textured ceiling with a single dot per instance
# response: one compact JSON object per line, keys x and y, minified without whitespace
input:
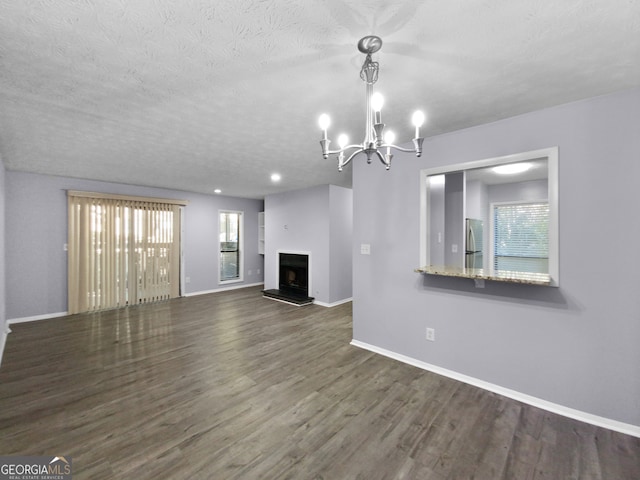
{"x":197,"y":95}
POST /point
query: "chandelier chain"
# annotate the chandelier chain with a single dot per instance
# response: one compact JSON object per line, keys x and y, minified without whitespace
{"x":369,"y":71}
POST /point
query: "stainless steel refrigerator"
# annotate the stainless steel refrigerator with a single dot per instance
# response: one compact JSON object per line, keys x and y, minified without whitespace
{"x":473,"y":253}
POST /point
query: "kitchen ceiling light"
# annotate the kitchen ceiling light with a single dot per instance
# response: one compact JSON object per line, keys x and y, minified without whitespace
{"x":374,"y":133}
{"x":512,"y":168}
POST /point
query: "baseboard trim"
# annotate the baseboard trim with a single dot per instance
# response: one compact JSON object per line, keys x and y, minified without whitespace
{"x":3,"y":339}
{"x":35,"y":318}
{"x":334,"y":304}
{"x":596,"y":420}
{"x":222,"y":289}
{"x":47,"y":316}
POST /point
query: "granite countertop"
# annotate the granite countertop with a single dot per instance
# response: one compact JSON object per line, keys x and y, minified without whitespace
{"x":479,"y":273}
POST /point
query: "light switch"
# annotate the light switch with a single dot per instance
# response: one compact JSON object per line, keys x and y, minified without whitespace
{"x":454,"y":248}
{"x":365,"y":249}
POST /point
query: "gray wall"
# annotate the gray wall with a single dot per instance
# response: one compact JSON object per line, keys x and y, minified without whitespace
{"x":576,"y":345}
{"x":436,"y":224}
{"x":316,"y":220}
{"x":3,"y":316}
{"x":36,"y":230}
{"x":476,"y":200}
{"x":340,"y":241}
{"x":454,"y":219}
{"x":201,"y":240}
{"x":517,"y":192}
{"x":298,"y":221}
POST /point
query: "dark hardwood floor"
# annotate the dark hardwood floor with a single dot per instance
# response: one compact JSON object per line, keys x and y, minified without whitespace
{"x":234,"y":386}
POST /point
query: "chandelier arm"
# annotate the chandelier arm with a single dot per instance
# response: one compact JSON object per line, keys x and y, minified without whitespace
{"x":382,"y":159}
{"x":348,"y":147}
{"x":360,"y":150}
{"x":408,"y":150}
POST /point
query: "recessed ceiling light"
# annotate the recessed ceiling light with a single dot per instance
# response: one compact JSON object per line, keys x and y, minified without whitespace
{"x":275,"y":177}
{"x":512,"y":168}
{"x":217,"y":190}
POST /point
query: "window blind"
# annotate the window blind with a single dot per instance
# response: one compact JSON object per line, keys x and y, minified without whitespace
{"x":121,"y":251}
{"x":521,"y":237}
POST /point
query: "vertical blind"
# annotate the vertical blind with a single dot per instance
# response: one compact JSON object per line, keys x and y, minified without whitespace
{"x":521,"y":237}
{"x":121,"y":250}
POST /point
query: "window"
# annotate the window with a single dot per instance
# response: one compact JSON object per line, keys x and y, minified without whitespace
{"x":122,"y":250}
{"x":231,"y":246}
{"x":521,"y":237}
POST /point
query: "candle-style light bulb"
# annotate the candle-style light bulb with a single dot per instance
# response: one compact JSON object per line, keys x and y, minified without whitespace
{"x":324,"y":121}
{"x":343,"y":140}
{"x":377,"y":101}
{"x":389,"y":138}
{"x":418,"y":120}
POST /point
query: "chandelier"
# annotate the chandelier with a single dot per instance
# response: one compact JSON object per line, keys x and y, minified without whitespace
{"x":375,"y":137}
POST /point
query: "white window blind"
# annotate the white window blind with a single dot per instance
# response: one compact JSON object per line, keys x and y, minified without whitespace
{"x":122,"y":251}
{"x":521,"y":237}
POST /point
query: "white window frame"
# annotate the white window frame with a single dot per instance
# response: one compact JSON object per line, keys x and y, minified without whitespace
{"x":240,"y":277}
{"x":551,"y":154}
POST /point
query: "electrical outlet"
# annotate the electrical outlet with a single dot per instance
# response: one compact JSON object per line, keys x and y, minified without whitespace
{"x":187,"y":280}
{"x":431,"y":334}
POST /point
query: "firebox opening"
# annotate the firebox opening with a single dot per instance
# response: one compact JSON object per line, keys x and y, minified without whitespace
{"x":293,"y":279}
{"x":294,"y":274}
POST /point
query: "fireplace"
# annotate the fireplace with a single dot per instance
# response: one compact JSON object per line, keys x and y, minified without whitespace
{"x":293,"y":279}
{"x":293,"y":275}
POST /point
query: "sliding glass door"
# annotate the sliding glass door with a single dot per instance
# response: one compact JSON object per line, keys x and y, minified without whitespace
{"x":122,"y":251}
